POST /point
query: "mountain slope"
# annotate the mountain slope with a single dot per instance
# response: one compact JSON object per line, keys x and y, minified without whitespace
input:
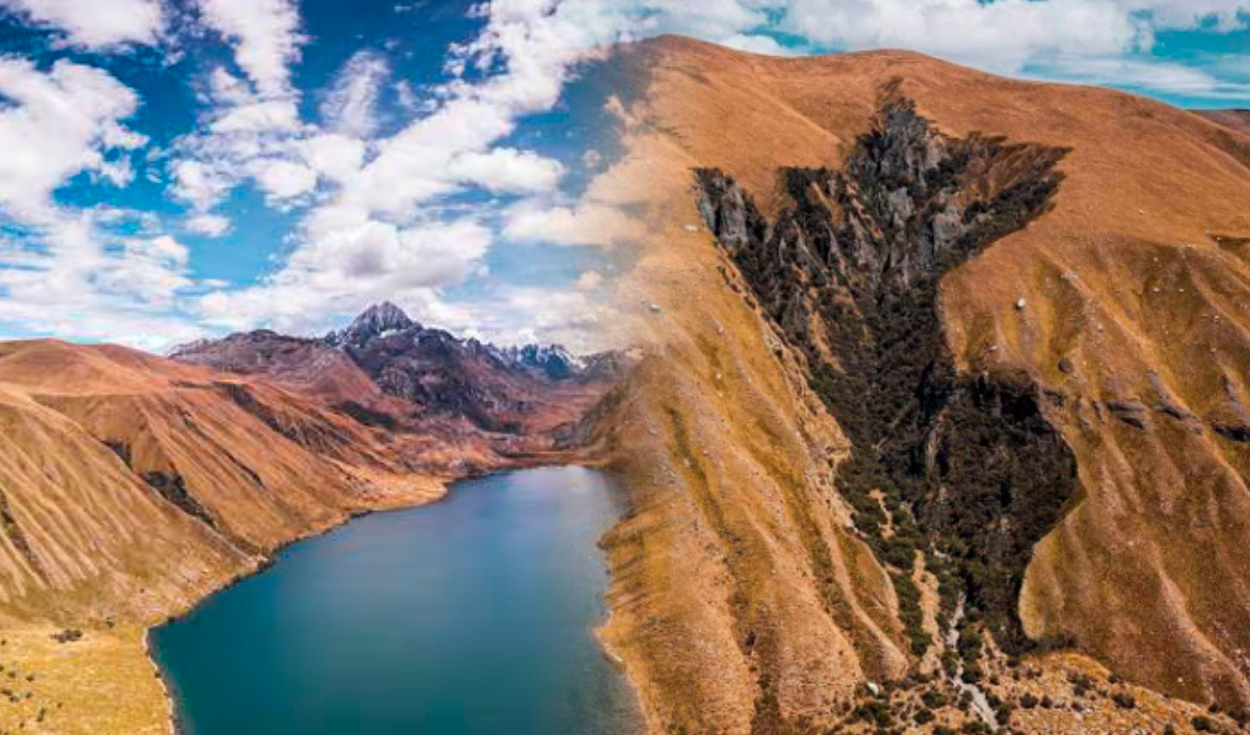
{"x":1238,"y":120}
{"x":1094,"y":344}
{"x":140,"y":456}
{"x":131,"y":486}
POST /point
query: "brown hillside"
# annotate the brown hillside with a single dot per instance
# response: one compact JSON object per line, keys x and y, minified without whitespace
{"x":742,"y":595}
{"x":1238,"y":120}
{"x":131,"y":486}
{"x":148,"y":455}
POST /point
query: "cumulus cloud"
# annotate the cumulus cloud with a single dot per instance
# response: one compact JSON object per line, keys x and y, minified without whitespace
{"x":337,"y":157}
{"x":212,"y":225}
{"x":60,"y":123}
{"x":1146,"y":73}
{"x":1000,"y":36}
{"x":96,"y":25}
{"x":266,"y":38}
{"x":93,"y":273}
{"x":342,"y":269}
{"x":75,"y":276}
{"x":758,"y":44}
{"x":507,"y":170}
{"x":586,"y":223}
{"x":281,"y":179}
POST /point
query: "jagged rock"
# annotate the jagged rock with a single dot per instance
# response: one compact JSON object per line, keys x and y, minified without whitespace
{"x":376,"y":321}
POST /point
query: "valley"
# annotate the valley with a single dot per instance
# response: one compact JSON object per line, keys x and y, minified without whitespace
{"x":136,"y":485}
{"x":935,"y":419}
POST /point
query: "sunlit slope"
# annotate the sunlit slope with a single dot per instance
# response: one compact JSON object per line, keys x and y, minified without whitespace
{"x":134,"y":484}
{"x":1123,"y":305}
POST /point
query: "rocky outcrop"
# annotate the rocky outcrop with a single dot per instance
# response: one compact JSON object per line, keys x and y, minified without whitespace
{"x":377,"y":321}
{"x":850,"y":273}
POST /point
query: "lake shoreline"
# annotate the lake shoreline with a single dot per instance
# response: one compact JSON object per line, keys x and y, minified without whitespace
{"x":445,"y":492}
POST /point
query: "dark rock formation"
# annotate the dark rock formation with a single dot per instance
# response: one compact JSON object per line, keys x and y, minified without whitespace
{"x":850,"y":274}
{"x":173,"y":488}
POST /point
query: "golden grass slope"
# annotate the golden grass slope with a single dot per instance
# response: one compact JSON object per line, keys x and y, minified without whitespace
{"x":88,"y":543}
{"x":1137,"y":281}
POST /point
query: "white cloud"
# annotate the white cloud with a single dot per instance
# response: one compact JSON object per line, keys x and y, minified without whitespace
{"x":96,"y":24}
{"x":587,"y":223}
{"x":334,"y":156}
{"x":1145,"y":73}
{"x":266,"y":37}
{"x":1228,"y":15}
{"x":350,"y":105}
{"x":76,"y":277}
{"x":526,"y":315}
{"x":507,"y":170}
{"x":284,"y":179}
{"x":71,"y":273}
{"x":60,"y":123}
{"x":344,"y":268}
{"x":256,"y":117}
{"x":212,"y":225}
{"x":758,"y":44}
{"x":1001,"y":36}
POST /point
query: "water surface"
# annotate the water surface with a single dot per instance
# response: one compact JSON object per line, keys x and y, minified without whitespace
{"x":473,"y":616}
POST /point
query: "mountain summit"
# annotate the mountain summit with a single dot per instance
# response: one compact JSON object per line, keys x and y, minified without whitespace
{"x":377,"y":320}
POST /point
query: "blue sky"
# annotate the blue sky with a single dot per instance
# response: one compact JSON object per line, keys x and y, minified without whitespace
{"x":181,"y":169}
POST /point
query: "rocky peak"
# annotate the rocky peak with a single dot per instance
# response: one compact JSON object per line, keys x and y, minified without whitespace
{"x":553,"y":362}
{"x":377,"y":320}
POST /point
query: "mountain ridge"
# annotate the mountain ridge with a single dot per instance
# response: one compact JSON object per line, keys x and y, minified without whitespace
{"x":1081,"y":314}
{"x":386,"y":362}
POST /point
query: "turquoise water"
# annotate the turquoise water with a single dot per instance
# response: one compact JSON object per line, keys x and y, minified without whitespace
{"x":473,"y":616}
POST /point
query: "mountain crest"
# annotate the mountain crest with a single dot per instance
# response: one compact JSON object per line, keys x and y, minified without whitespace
{"x":382,"y":317}
{"x":375,"y":321}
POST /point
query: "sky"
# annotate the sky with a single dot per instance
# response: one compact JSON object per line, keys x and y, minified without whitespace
{"x":178,"y":169}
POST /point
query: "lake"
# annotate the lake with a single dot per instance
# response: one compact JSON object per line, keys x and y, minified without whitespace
{"x":471,"y":616}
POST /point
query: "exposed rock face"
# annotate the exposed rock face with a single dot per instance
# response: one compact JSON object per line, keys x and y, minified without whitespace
{"x":376,"y":321}
{"x":550,"y":361}
{"x":850,"y":274}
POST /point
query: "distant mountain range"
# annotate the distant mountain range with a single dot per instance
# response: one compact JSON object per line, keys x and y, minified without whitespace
{"x":384,"y":356}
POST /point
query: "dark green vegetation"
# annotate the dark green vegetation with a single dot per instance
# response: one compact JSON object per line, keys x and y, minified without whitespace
{"x":967,"y":467}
